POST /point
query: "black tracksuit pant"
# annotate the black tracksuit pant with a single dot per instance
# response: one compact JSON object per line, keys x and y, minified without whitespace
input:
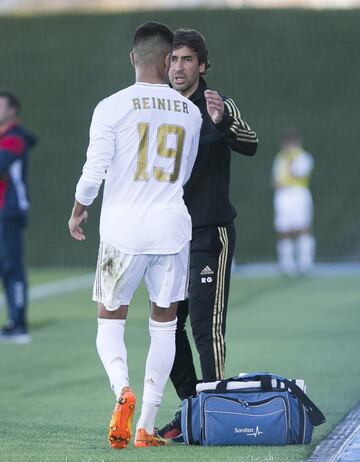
{"x":211,"y":255}
{"x":12,"y":270}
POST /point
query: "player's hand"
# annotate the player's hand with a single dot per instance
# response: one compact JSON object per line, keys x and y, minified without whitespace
{"x":214,"y":105}
{"x":74,"y":225}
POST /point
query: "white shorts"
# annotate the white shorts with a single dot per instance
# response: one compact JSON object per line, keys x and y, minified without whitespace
{"x":118,"y":275}
{"x":293,"y":209}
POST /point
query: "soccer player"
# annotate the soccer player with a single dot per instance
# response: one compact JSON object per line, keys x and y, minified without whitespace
{"x":143,"y":142}
{"x":213,"y":236}
{"x":15,"y":143}
{"x":293,"y":206}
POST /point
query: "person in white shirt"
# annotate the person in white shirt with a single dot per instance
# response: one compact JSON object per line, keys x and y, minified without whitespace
{"x":143,"y":143}
{"x":293,"y":206}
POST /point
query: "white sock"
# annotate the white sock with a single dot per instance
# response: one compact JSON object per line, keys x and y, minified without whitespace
{"x":305,"y":247}
{"x":112,"y":351}
{"x":286,"y":256}
{"x":158,"y":367}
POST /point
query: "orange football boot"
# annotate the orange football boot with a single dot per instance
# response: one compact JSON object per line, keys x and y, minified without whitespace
{"x":145,"y":440}
{"x":121,"y":420}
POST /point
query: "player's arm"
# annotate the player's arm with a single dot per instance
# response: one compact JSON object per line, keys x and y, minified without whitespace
{"x":11,"y":147}
{"x":227,"y":119}
{"x":302,"y":165}
{"x":79,"y":215}
{"x":99,"y":155}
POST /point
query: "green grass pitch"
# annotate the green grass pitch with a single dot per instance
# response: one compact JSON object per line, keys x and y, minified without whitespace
{"x":55,"y":400}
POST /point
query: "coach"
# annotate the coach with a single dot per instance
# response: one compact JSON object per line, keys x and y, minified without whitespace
{"x":213,"y":237}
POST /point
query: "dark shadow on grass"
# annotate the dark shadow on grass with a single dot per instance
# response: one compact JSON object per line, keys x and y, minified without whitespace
{"x":42,"y":324}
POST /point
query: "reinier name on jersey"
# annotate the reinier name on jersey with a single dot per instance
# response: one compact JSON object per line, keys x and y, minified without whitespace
{"x":161,"y":104}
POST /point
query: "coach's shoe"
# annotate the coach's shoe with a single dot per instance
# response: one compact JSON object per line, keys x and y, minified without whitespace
{"x":121,"y":420}
{"x":146,"y":440}
{"x":172,"y":431}
{"x":10,"y":333}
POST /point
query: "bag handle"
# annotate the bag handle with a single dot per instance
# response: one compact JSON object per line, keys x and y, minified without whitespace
{"x":315,"y":415}
{"x":262,"y":377}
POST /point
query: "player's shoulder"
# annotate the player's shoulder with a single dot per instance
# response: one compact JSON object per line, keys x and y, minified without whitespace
{"x":114,"y":107}
{"x":194,"y":110}
{"x":191,"y":107}
{"x":14,"y":140}
{"x":113,"y":100}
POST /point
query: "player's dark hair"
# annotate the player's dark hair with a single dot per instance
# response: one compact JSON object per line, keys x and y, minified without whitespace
{"x":12,"y":99}
{"x":150,"y":30}
{"x":192,"y":39}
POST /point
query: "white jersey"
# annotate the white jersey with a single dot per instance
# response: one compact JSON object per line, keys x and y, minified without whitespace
{"x":143,"y":142}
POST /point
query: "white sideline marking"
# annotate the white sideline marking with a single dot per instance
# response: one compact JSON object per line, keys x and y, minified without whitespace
{"x":58,"y":287}
{"x":264,"y":270}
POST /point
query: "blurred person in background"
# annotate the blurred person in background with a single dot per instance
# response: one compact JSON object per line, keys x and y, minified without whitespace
{"x":293,"y":205}
{"x":213,"y":232}
{"x":15,"y":143}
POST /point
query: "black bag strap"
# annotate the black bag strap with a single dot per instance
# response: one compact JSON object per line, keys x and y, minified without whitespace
{"x":315,"y":415}
{"x":189,"y":421}
{"x":221,"y":387}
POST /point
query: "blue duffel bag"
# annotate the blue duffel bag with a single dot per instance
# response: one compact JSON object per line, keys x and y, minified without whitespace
{"x":251,"y":409}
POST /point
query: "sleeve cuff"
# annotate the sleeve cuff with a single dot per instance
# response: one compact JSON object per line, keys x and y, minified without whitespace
{"x":86,"y":201}
{"x":86,"y":191}
{"x":225,"y":123}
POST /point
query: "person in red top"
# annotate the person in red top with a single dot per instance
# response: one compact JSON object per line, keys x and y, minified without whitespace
{"x":15,"y":143}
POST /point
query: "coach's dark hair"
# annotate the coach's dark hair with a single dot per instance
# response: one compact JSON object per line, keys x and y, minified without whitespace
{"x":151,"y":30}
{"x":12,"y":99}
{"x":192,"y":39}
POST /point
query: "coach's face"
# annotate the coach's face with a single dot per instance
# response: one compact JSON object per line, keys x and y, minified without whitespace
{"x":185,"y":71}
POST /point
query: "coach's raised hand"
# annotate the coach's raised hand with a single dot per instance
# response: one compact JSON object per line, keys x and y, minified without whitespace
{"x":215,"y":105}
{"x":79,"y":215}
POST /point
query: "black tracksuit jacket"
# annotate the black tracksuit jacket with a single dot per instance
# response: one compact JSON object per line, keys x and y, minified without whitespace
{"x":206,"y":194}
